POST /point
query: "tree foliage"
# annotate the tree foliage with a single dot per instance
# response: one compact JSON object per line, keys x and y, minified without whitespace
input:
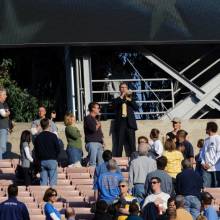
{"x":23,"y":105}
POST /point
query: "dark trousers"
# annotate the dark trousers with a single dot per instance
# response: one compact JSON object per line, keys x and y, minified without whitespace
{"x":27,"y":176}
{"x":125,"y":137}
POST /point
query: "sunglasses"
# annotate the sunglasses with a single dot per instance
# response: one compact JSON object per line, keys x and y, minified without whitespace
{"x":54,"y":194}
{"x":121,"y":186}
{"x":154,"y":182}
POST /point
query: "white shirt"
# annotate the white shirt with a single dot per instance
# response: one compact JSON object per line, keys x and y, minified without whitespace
{"x":211,"y":152}
{"x":153,"y":197}
{"x":157,"y":147}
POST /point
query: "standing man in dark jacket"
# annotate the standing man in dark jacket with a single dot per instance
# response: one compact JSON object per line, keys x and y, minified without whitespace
{"x":47,"y":149}
{"x":13,"y":209}
{"x":189,"y":184}
{"x":125,"y":122}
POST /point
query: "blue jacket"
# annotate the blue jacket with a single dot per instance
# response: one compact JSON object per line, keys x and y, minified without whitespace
{"x":14,"y":210}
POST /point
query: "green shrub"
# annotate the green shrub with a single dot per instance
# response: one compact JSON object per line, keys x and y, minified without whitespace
{"x":23,"y":105}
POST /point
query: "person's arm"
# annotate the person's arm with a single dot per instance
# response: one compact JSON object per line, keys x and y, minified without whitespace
{"x":96,"y":194}
{"x":131,"y":176}
{"x":4,"y":113}
{"x":57,"y":145}
{"x":133,"y":104}
{"x":25,"y":213}
{"x":118,"y":101}
{"x":28,"y":155}
{"x":146,"y":185}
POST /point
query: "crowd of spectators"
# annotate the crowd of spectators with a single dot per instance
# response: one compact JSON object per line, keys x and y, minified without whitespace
{"x":166,"y":180}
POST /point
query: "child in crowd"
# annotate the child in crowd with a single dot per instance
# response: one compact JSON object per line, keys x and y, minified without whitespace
{"x":70,"y":214}
{"x":134,"y":211}
{"x":209,"y":211}
{"x":155,"y":143}
{"x":183,"y":145}
{"x":198,"y":157}
{"x":174,"y":158}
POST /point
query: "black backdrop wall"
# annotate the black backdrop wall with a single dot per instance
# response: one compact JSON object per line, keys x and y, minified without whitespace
{"x":93,"y":22}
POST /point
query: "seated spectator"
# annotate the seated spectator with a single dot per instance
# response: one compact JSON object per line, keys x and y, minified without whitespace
{"x":198,"y":157}
{"x":156,"y":147}
{"x":174,"y":158}
{"x":201,"y":217}
{"x":138,"y":171}
{"x":26,"y":158}
{"x":93,"y":135}
{"x":134,"y":211}
{"x":209,"y":211}
{"x":181,"y":212}
{"x":171,"y":203}
{"x":157,"y":197}
{"x":183,"y":145}
{"x":36,"y":127}
{"x":211,"y":157}
{"x":101,"y":211}
{"x":166,"y":180}
{"x":47,"y":149}
{"x":74,"y":142}
{"x":141,"y":140}
{"x":170,"y":206}
{"x":102,"y":168}
{"x":189,"y":184}
{"x":11,"y":208}
{"x":124,"y":201}
{"x":50,"y":196}
{"x":70,"y":213}
{"x":107,"y":185}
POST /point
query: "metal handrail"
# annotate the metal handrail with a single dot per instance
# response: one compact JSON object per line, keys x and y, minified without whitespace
{"x":129,"y":80}
{"x":144,"y":90}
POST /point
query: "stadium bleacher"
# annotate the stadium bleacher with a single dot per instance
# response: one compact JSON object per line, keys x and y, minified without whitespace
{"x":74,"y":189}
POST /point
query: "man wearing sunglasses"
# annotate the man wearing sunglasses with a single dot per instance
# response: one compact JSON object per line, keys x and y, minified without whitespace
{"x":123,"y":202}
{"x":157,"y":197}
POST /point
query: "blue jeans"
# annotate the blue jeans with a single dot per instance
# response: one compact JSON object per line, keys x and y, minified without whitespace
{"x":211,"y":179}
{"x":192,"y":205}
{"x":48,"y":170}
{"x":139,"y":191}
{"x":74,"y":154}
{"x":95,"y":150}
{"x":3,"y":142}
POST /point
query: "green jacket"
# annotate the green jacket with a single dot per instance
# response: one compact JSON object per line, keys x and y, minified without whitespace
{"x":73,"y":137}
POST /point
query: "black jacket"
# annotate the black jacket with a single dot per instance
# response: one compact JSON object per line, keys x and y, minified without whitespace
{"x":131,"y":107}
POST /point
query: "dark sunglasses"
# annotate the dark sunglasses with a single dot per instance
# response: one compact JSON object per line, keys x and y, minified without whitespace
{"x":154,"y":182}
{"x":121,"y":186}
{"x":53,"y":194}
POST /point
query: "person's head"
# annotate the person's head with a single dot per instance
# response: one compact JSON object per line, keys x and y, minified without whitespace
{"x":201,"y":217}
{"x":50,"y":195}
{"x":123,"y":187}
{"x":25,"y":136}
{"x":161,"y":163}
{"x":45,"y":123}
{"x":3,"y":94}
{"x":171,"y":135}
{"x":134,"y":209}
{"x":94,"y":108}
{"x":155,"y":184}
{"x":179,"y":200}
{"x":107,"y":155}
{"x":142,"y":139}
{"x":69,"y":119}
{"x":112,"y":165}
{"x":206,"y":198}
{"x":176,"y":123}
{"x":143,"y":149}
{"x":211,"y":128}
{"x":101,"y":206}
{"x":42,"y":112}
{"x":186,"y":164}
{"x":123,"y":87}
{"x":70,"y":212}
{"x":181,"y":135}
{"x":169,"y":145}
{"x":12,"y":190}
{"x":200,"y":143}
{"x":171,"y":203}
{"x":154,"y":134}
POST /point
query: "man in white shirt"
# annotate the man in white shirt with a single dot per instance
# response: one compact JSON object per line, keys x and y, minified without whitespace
{"x":210,"y":157}
{"x":158,"y":197}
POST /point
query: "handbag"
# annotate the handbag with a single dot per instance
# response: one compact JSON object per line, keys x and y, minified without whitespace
{"x":19,"y":173}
